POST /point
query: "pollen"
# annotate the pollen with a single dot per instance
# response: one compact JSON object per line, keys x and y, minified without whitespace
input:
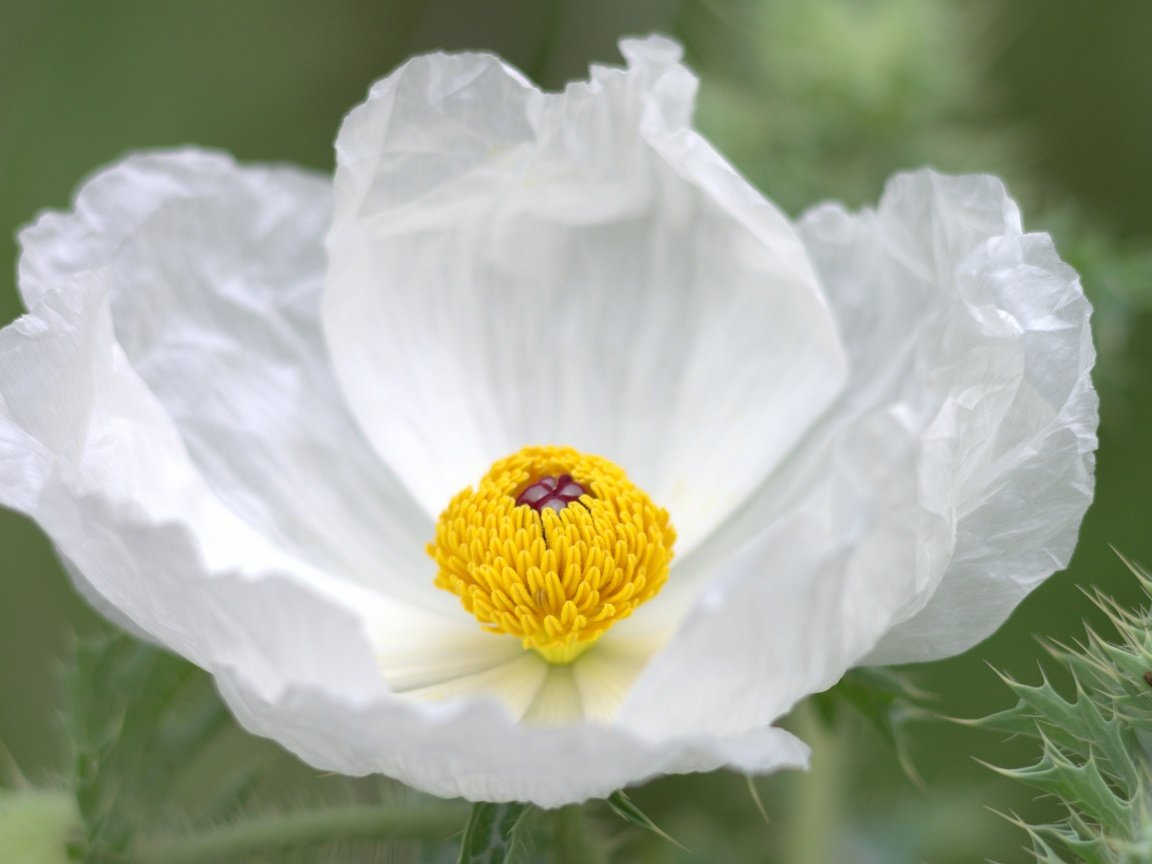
{"x":553,"y":546}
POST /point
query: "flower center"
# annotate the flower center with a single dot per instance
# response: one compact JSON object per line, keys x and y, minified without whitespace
{"x":554,"y":547}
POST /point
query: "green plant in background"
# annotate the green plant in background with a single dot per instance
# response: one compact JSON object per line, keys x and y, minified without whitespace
{"x":819,"y":99}
{"x":1095,"y":745}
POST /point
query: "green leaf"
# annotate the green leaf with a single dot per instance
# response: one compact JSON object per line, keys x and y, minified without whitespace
{"x":1075,"y":726}
{"x":882,"y":696}
{"x":626,"y":809}
{"x":1095,"y":750}
{"x":1083,"y":784}
{"x":886,"y":699}
{"x":490,"y":834}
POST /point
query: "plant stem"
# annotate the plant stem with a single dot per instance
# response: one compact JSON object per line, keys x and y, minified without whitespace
{"x":812,"y":836}
{"x":281,"y":831}
{"x":576,"y":842}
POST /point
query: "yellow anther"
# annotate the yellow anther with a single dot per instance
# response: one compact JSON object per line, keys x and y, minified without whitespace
{"x":554,"y":547}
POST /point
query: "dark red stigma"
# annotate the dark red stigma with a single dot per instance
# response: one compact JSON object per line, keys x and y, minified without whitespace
{"x":553,"y":492}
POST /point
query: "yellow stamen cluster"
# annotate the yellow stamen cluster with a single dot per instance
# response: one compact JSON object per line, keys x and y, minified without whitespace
{"x":555,"y":578}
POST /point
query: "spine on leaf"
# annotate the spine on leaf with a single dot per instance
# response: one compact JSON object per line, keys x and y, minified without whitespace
{"x":1095,"y":745}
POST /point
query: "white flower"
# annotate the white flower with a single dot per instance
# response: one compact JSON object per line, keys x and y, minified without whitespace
{"x":242,"y":396}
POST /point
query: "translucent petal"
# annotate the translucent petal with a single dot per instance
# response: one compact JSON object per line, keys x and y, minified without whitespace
{"x":942,"y":277}
{"x":786,"y":613}
{"x":214,"y":273}
{"x":89,"y":453}
{"x":949,"y":478}
{"x":470,"y":748}
{"x":511,"y":268}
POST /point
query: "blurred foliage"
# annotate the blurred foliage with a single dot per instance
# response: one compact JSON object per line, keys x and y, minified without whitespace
{"x":160,"y":774}
{"x":1095,"y":747}
{"x":135,"y":719}
{"x":814,"y":100}
{"x":36,"y":825}
{"x":492,"y":833}
{"x":887,"y":699}
{"x":1075,"y":80}
{"x":810,"y":100}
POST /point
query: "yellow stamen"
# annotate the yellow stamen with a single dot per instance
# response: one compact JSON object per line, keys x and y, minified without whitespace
{"x":556,"y":576}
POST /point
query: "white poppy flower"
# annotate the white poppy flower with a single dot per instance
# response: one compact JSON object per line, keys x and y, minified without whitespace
{"x":243,"y":397}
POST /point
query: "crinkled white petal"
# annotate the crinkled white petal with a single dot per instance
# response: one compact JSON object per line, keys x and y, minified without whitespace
{"x":470,"y":749}
{"x":948,"y":480}
{"x":786,"y":613}
{"x":941,"y":274}
{"x":78,"y":430}
{"x":214,"y":273}
{"x":509,"y":267}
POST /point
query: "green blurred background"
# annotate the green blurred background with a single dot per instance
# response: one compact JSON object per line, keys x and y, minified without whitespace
{"x":811,"y":100}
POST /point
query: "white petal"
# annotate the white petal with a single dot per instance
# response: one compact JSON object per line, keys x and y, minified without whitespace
{"x":845,"y":547}
{"x":470,"y":748}
{"x":948,"y":480}
{"x":215,"y":274}
{"x":84,"y":445}
{"x":80,"y":431}
{"x":442,"y":654}
{"x":605,"y":674}
{"x":954,"y":284}
{"x":517,"y":682}
{"x":71,"y":407}
{"x":511,"y":268}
